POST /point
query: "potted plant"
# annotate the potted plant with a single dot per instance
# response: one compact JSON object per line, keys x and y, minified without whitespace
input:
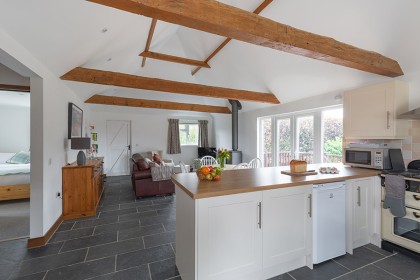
{"x":222,"y":156}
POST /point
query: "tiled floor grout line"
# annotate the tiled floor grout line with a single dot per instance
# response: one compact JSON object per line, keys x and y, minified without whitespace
{"x":341,"y":264}
{"x":144,"y":244}
{"x":364,"y":266}
{"x":150,"y":272}
{"x":374,"y":251}
{"x":87,"y":252}
{"x":291,"y":275}
{"x":387,"y":271}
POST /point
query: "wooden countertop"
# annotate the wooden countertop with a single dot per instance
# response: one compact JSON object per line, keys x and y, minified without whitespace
{"x":258,"y":179}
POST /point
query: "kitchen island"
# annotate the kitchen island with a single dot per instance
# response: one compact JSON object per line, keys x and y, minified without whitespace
{"x":257,"y":223}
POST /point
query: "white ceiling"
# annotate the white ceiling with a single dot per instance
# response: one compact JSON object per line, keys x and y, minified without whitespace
{"x":67,"y":33}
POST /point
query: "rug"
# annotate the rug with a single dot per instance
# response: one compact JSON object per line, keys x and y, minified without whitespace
{"x":14,"y":219}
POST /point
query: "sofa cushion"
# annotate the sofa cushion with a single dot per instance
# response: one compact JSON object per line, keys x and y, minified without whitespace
{"x":143,"y":174}
{"x":136,"y":157}
{"x":156,"y":158}
{"x":142,"y":164}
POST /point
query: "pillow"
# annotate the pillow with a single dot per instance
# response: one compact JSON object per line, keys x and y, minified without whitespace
{"x":142,"y":164}
{"x":20,"y":158}
{"x":156,"y":158}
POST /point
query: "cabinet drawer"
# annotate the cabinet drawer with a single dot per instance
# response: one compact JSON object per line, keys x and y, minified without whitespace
{"x":412,"y":199}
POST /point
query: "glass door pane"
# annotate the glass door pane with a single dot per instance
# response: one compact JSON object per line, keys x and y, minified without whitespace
{"x":284,"y":142}
{"x":332,"y":135}
{"x":266,"y":141}
{"x":305,"y":141}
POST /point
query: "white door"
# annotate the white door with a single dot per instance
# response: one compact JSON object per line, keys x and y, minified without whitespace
{"x":362,"y":209}
{"x":287,"y":229}
{"x":230,"y":237}
{"x":118,"y":147}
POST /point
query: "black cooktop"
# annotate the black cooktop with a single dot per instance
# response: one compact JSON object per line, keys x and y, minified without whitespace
{"x":409,"y":173}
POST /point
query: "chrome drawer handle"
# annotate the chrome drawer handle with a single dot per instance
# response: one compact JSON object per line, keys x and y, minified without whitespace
{"x":359,"y":199}
{"x":416,"y":197}
{"x":416,"y":215}
{"x":259,"y":215}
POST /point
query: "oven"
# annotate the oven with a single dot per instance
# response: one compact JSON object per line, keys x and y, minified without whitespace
{"x":404,"y":231}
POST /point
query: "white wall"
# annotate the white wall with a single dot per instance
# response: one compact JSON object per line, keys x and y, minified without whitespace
{"x":15,"y":128}
{"x":149,"y":130}
{"x":49,"y":99}
{"x":9,"y":77}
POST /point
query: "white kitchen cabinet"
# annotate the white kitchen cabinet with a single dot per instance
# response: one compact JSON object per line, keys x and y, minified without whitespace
{"x":371,"y":112}
{"x":229,"y":244}
{"x":362,"y":212}
{"x":287,"y":229}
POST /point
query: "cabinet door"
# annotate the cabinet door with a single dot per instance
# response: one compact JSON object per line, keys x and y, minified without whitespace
{"x":229,"y":237}
{"x":362,"y":212}
{"x":287,"y":229}
{"x":369,"y":112}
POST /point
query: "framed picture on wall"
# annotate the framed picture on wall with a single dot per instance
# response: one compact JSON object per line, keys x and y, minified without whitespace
{"x":75,"y":121}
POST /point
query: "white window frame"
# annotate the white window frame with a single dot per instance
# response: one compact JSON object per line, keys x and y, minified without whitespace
{"x":318,"y":139}
{"x":189,"y":122}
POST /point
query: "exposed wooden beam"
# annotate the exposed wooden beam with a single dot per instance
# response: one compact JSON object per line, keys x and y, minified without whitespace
{"x":175,"y":59}
{"x":101,"y":77}
{"x":155,"y":104}
{"x":149,"y":40}
{"x":15,"y":88}
{"x":258,"y":10}
{"x":218,"y":18}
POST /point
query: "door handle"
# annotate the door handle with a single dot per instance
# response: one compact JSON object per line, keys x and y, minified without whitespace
{"x":129,"y":147}
{"x":416,"y":197}
{"x":416,"y":215}
{"x":388,"y":115}
{"x":310,"y":205}
{"x":359,"y":202}
{"x":259,"y":215}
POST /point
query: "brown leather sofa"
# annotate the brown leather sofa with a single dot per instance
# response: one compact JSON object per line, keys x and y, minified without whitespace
{"x":141,"y":179}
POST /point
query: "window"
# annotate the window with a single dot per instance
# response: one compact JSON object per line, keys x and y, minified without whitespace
{"x":188,"y":133}
{"x":314,"y":136}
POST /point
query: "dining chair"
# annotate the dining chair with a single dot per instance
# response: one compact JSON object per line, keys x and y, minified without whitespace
{"x":242,"y":165}
{"x":208,"y":160}
{"x":183,"y":167}
{"x":255,"y":163}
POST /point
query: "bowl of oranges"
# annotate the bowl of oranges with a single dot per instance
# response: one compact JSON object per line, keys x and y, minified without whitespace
{"x":209,"y":173}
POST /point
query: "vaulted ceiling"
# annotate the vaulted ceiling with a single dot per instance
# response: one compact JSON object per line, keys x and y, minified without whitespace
{"x":70,"y":33}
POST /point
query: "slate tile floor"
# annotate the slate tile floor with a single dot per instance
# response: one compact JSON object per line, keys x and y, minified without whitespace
{"x":135,"y":239}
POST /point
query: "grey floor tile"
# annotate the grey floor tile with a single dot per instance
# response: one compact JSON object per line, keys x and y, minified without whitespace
{"x":170,"y":226}
{"x":140,"y":231}
{"x":96,"y":222}
{"x":361,"y":257}
{"x":144,"y":256}
{"x":369,"y":272}
{"x":173,"y":247}
{"x":50,"y":262}
{"x":137,"y":216}
{"x":285,"y":276}
{"x":154,"y":207}
{"x":116,"y":227}
{"x":163,"y":269}
{"x":83,"y":270}
{"x":378,"y":250}
{"x":14,"y":251}
{"x":135,"y":273}
{"x":159,"y":239}
{"x":89,"y":241}
{"x":130,"y":205}
{"x":43,"y":251}
{"x":71,"y":234}
{"x":36,"y":276}
{"x":115,"y":248}
{"x":65,"y":226}
{"x":6,"y":270}
{"x":167,"y":199}
{"x":401,"y":266}
{"x":323,"y":271}
{"x":109,"y":208}
{"x":147,"y":221}
{"x":168,"y":211}
{"x":117,"y":212}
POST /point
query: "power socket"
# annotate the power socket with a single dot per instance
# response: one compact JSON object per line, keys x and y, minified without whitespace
{"x":58,"y":194}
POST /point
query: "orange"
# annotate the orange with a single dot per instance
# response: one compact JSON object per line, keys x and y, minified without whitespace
{"x":205,"y":170}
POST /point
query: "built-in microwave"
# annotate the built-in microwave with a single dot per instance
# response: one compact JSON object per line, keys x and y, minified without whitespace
{"x":375,"y":158}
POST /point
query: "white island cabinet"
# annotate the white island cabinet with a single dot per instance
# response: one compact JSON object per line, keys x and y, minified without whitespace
{"x":255,"y":235}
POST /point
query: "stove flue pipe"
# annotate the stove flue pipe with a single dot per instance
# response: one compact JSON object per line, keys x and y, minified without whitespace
{"x":236,"y":106}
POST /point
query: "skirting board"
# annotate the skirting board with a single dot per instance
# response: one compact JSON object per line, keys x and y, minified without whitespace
{"x":41,"y":241}
{"x":14,"y":192}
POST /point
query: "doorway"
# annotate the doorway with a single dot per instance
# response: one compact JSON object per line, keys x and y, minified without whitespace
{"x":118,"y":135}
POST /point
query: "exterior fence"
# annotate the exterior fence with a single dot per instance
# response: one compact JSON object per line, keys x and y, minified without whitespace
{"x":284,"y":158}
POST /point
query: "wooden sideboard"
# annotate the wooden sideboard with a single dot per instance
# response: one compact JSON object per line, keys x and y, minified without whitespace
{"x":82,"y":188}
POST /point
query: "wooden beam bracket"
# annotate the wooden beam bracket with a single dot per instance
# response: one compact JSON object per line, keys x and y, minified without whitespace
{"x":175,"y":59}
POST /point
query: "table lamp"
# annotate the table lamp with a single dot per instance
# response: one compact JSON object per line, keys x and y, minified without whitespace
{"x":81,"y":143}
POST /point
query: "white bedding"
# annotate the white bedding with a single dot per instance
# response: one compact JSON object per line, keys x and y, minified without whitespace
{"x":11,"y":169}
{"x":17,"y":179}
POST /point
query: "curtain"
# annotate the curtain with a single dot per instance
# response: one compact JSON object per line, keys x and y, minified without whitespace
{"x":203,"y":134}
{"x":174,"y":145}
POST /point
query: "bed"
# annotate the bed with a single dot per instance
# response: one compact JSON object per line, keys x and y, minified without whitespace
{"x":14,"y":179}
